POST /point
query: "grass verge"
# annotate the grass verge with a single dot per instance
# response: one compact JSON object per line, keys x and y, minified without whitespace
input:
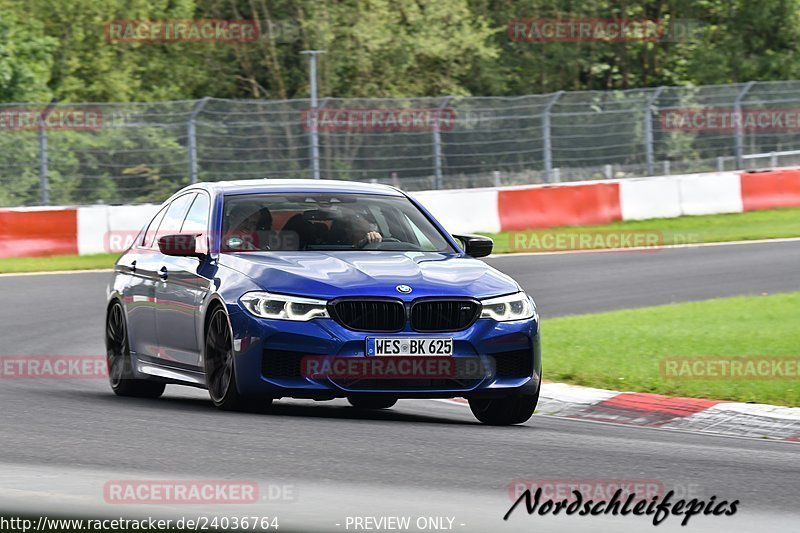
{"x":753,"y":225}
{"x":14,"y":265}
{"x":622,"y":350}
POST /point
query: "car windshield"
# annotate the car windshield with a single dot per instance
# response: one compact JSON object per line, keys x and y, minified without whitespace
{"x":327,"y":222}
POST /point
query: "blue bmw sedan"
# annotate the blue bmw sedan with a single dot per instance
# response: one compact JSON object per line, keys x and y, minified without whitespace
{"x":270,"y":289}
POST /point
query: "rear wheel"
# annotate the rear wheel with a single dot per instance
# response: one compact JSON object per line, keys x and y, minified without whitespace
{"x":371,"y":402}
{"x":219,"y":368}
{"x":118,"y":358}
{"x":504,"y":411}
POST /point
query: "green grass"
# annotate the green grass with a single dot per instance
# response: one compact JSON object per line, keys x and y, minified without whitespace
{"x":621,"y":350}
{"x":768,"y":224}
{"x":59,"y":262}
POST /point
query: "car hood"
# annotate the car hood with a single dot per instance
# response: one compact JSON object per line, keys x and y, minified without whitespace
{"x":370,"y":273}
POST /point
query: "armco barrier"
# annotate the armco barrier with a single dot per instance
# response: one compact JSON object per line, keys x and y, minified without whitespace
{"x":98,"y":224}
{"x":38,"y":232}
{"x":650,"y":198}
{"x":767,"y":190}
{"x":463,"y":211}
{"x":85,"y":230}
{"x":560,"y":205}
{"x":710,"y":194}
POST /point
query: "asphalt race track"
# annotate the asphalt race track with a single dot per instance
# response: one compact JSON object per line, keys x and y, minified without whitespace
{"x":63,"y":439}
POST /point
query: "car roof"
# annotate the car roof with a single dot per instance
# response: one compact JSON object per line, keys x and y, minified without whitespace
{"x":258,"y":186}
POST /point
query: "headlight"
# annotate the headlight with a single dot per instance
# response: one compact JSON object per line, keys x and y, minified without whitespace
{"x":517,"y":306}
{"x":282,"y":307}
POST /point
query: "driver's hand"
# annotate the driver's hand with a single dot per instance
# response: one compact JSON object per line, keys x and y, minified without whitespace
{"x":370,"y":237}
{"x":373,"y":236}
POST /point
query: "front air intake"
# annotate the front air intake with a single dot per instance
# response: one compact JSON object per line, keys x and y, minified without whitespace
{"x":372,"y":315}
{"x":431,"y":316}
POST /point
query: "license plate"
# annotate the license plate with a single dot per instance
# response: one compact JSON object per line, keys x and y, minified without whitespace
{"x":409,"y":346}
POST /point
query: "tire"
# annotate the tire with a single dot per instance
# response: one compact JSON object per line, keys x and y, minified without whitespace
{"x":118,"y":359}
{"x":219,"y":368}
{"x":371,"y":402}
{"x":504,"y":411}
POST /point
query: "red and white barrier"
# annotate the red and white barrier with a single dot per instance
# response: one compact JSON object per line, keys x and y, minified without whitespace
{"x":587,"y":203}
{"x":88,"y":230}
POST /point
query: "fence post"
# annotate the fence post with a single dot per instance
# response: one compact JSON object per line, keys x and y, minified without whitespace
{"x":737,"y":117}
{"x":44,"y":194}
{"x":648,"y":130}
{"x":198,"y":106}
{"x":314,"y":133}
{"x":437,"y":144}
{"x":548,"y":147}
{"x":44,"y":185}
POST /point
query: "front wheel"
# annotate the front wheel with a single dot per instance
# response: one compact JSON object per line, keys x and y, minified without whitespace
{"x":118,"y":359}
{"x":219,"y":368}
{"x":504,"y":411}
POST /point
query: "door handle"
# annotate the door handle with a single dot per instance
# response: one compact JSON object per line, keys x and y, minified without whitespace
{"x":164,"y":273}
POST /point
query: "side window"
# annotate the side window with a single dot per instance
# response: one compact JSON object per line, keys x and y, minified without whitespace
{"x":149,"y":237}
{"x":197,"y":218}
{"x":173,"y":219}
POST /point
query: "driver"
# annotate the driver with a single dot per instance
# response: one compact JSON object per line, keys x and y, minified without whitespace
{"x":364,"y":232}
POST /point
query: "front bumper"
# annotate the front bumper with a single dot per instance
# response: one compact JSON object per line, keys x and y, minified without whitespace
{"x":268,"y":352}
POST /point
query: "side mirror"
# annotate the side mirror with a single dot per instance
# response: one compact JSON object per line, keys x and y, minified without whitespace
{"x":476,"y":245}
{"x":179,"y":246}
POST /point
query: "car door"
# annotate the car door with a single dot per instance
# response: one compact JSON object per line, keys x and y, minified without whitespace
{"x":182,"y":288}
{"x":141,"y":264}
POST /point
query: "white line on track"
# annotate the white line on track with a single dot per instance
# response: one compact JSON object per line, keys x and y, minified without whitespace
{"x":56,"y":272}
{"x":650,"y":248}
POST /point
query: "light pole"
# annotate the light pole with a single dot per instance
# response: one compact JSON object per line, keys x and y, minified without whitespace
{"x":312,"y":74}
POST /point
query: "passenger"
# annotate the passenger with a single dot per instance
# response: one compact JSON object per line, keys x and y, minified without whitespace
{"x":298,"y":233}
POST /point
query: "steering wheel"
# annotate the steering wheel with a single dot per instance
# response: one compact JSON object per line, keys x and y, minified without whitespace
{"x":375,"y":245}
